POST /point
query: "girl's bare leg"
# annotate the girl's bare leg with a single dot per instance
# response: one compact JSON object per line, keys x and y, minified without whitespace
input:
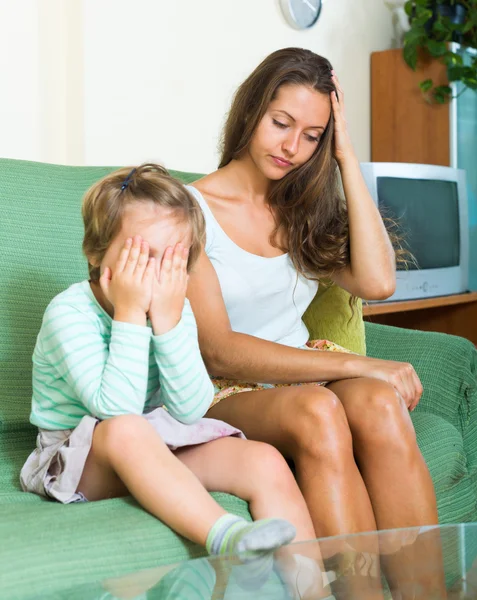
{"x":255,"y":472}
{"x":128,"y":456}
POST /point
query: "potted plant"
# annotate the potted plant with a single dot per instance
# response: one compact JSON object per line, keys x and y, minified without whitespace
{"x":434,"y":24}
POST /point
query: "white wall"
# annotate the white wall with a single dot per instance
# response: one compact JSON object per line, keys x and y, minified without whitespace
{"x":118,"y":82}
{"x":19,"y":72}
{"x":159,"y":75}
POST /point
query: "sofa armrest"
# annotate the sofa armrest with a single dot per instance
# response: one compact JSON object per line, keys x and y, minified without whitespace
{"x":446,"y":365}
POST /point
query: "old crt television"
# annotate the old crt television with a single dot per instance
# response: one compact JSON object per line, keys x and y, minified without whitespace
{"x":430,"y":204}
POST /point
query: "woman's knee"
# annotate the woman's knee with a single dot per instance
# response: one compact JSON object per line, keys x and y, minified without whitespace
{"x":318,"y":424}
{"x":379,"y":416}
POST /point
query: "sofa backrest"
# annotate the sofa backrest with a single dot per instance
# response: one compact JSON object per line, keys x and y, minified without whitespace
{"x":41,"y":232}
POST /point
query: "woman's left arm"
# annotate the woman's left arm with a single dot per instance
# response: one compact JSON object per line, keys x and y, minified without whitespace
{"x":371,"y":273}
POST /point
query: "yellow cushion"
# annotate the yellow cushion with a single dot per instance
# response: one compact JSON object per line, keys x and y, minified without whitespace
{"x":328,"y":317}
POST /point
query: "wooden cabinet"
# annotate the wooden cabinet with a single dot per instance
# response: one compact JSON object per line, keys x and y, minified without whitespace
{"x":404,"y":127}
{"x":456,"y":315}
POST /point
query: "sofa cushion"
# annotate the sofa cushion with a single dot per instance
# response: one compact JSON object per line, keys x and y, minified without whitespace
{"x":442,"y":446}
{"x":343,"y":325}
{"x":69,"y":545}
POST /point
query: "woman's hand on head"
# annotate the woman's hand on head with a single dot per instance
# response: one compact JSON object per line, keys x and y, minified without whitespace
{"x":128,"y":286}
{"x":343,"y":145}
{"x":169,"y":289}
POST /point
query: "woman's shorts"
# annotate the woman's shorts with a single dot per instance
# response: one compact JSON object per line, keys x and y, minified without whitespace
{"x":224,"y":388}
{"x":54,"y":469}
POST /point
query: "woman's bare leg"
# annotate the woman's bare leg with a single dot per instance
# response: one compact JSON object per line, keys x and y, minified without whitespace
{"x":397,"y":480}
{"x":387,"y":453}
{"x":308,"y":425}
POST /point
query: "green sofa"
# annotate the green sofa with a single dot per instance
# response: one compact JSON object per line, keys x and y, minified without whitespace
{"x":47,"y":548}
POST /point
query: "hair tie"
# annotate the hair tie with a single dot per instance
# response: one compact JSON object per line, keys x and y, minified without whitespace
{"x":126,"y":182}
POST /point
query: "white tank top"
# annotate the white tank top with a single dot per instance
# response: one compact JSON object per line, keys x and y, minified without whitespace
{"x":264,"y":297}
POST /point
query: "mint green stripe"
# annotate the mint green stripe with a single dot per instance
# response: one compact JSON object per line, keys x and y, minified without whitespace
{"x":127,"y":398}
{"x":102,"y":392}
{"x":67,"y":414}
{"x":42,"y":420}
{"x":178,"y":407}
{"x":168,"y":348}
{"x":163,"y":366}
{"x":77,"y":364}
{"x":184,"y":387}
{"x":53,"y":404}
{"x":97,"y":382}
{"x":70,"y":312}
{"x":58,"y":390}
{"x":83,"y":334}
{"x":127,"y":343}
{"x":168,"y":340}
{"x":63,"y":328}
{"x":127,"y":358}
{"x":154,"y":375}
{"x":103,"y":351}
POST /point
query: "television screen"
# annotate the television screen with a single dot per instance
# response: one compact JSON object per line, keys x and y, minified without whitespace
{"x":427,"y":213}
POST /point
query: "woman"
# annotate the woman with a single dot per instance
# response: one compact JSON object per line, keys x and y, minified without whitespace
{"x":275,"y":225}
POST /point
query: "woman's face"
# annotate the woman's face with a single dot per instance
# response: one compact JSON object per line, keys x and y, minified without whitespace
{"x":290,"y":130}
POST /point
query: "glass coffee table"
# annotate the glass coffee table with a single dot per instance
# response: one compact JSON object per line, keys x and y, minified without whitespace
{"x":419,"y":563}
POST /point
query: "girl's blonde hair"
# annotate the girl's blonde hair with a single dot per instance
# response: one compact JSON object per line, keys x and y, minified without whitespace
{"x":104,"y":204}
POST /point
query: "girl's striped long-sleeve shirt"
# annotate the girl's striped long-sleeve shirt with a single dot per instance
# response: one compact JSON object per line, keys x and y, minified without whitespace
{"x":85,"y":363}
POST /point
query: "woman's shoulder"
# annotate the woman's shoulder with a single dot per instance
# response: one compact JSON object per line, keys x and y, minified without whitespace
{"x":215,"y":189}
{"x":208,"y":182}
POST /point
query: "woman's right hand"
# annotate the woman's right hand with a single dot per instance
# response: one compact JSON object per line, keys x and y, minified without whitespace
{"x":129,"y":287}
{"x":401,"y":376}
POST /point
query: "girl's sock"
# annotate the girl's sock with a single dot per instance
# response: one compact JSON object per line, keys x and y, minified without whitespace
{"x":233,"y":535}
{"x":254,"y":542}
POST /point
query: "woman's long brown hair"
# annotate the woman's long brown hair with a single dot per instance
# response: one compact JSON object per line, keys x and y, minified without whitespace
{"x":308,"y":204}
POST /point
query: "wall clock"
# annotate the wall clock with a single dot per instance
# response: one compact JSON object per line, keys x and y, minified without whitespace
{"x":301,"y":14}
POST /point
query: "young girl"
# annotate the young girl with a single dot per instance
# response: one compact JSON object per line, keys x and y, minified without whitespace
{"x":120,"y":389}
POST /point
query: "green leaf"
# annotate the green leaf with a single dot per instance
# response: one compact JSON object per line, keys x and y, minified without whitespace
{"x":422,"y":17}
{"x":446,"y":89}
{"x":468,"y":27}
{"x":409,"y":8}
{"x":426,"y":85}
{"x":416,"y":35}
{"x":455,"y":73}
{"x":436,"y":48}
{"x":439,"y":27}
{"x":471,"y":83}
{"x":452,"y":59}
{"x":441,"y":94}
{"x":410,"y":55}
